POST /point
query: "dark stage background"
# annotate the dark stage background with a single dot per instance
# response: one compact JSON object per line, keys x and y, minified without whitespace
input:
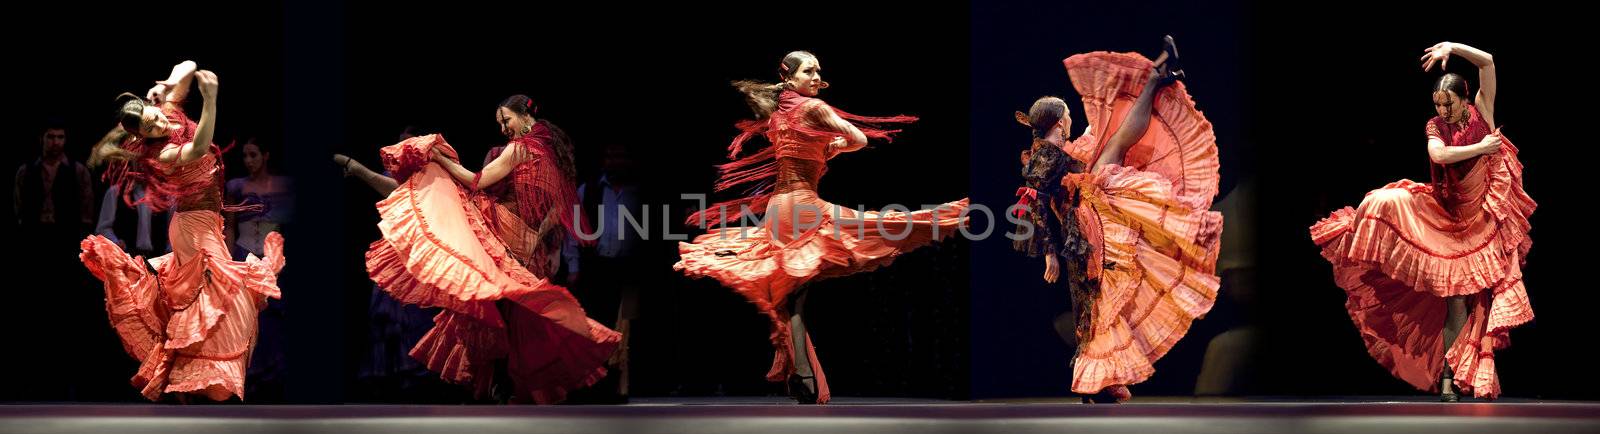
{"x":1017,"y":52}
{"x":1343,"y":104}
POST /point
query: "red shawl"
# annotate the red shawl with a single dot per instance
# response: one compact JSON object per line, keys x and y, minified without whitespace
{"x":756,"y":173}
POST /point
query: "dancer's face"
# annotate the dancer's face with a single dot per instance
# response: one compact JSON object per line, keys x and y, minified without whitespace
{"x":511,"y":123}
{"x":1449,"y":106}
{"x":154,"y":123}
{"x":254,"y":160}
{"x":807,"y":79}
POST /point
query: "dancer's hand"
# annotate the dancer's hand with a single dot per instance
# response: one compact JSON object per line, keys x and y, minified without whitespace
{"x":208,"y":83}
{"x":438,"y":156}
{"x":1052,"y":268}
{"x":838,"y":142}
{"x":1492,"y":143}
{"x":158,"y":93}
{"x":1438,"y":53}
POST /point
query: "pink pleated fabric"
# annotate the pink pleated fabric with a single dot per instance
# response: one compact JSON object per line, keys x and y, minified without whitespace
{"x":192,"y":322}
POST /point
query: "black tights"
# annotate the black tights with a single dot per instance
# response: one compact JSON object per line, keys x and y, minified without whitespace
{"x":797,"y":336}
{"x":1453,"y":323}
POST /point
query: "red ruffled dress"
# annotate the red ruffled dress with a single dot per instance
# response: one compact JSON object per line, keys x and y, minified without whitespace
{"x":1410,"y":245}
{"x":446,"y":246}
{"x":191,"y":322}
{"x":803,"y":237}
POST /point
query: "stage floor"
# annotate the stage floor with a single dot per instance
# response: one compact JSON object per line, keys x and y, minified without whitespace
{"x":775,"y":415}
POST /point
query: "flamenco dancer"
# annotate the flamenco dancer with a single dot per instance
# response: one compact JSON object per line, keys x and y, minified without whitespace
{"x":190,"y":317}
{"x":1131,"y":228}
{"x":804,"y":238}
{"x":481,"y":247}
{"x":1434,"y":271}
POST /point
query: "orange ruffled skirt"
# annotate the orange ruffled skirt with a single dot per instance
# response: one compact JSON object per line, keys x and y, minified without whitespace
{"x":192,"y":322}
{"x":803,"y":239}
{"x":1155,"y":243}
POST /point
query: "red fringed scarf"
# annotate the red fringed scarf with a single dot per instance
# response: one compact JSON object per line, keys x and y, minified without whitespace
{"x":539,"y":187}
{"x":756,"y":173}
{"x":162,"y":189}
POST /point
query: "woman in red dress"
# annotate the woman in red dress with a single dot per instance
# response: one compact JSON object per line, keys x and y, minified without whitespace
{"x":1132,"y":230}
{"x":803,"y":238}
{"x":481,"y":246}
{"x":1434,"y":271}
{"x":191,"y":321}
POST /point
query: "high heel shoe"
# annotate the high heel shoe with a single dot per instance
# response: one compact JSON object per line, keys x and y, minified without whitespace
{"x":1109,"y":395}
{"x":1172,"y":69}
{"x":1447,"y":386}
{"x":799,"y":391}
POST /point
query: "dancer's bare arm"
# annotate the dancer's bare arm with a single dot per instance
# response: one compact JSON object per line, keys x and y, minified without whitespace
{"x":1487,"y":82}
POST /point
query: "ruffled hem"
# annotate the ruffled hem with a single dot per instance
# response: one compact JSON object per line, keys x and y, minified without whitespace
{"x":215,"y":379}
{"x":765,"y":273}
{"x":137,"y":313}
{"x":1162,"y":256}
{"x":412,"y":155}
{"x":1350,"y":238}
{"x":413,"y":261}
{"x":1507,"y":308}
{"x":562,"y":360}
{"x":151,"y":378}
{"x":1402,"y":329}
{"x":557,"y":393}
{"x":1179,"y":145}
{"x":1140,"y":345}
{"x":132,"y":295}
{"x":387,"y":268}
{"x":155,"y":333}
{"x":462,"y":350}
{"x":749,"y":260}
{"x":1506,"y":201}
